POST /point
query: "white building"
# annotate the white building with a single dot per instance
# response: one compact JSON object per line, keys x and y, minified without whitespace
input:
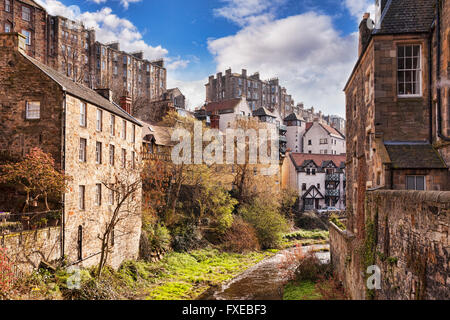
{"x":320,"y":138}
{"x":319,"y":179}
{"x":296,"y":127}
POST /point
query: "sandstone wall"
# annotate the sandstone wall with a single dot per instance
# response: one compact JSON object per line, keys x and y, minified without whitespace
{"x":409,"y":232}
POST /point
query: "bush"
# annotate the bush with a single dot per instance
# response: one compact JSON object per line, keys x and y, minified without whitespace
{"x":268,"y":223}
{"x":311,"y":269}
{"x":185,"y":238}
{"x":6,"y":273}
{"x":241,"y":237}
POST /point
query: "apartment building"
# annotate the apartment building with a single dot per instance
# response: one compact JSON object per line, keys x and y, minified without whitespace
{"x":91,"y":138}
{"x":258,"y":93}
{"x":320,"y":138}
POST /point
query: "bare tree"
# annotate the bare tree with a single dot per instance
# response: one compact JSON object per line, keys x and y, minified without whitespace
{"x":124,"y":188}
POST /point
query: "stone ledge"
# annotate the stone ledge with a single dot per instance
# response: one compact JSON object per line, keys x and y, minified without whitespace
{"x":345,"y":233}
{"x":416,"y":196}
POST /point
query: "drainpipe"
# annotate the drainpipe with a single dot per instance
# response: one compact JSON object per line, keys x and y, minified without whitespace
{"x":438,"y":72}
{"x":63,"y":168}
{"x":430,"y":82}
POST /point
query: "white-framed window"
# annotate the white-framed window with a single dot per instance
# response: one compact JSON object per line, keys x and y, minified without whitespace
{"x":124,"y":158}
{"x":112,"y":125}
{"x":7,"y":27}
{"x":26,"y":13}
{"x":115,"y":70}
{"x":98,"y":152}
{"x":124,"y":129}
{"x":33,"y":110}
{"x":83,"y":114}
{"x":8,"y":5}
{"x":133,"y":160}
{"x":82,"y":197}
{"x":409,"y":70}
{"x":133,"y":133}
{"x":99,"y":123}
{"x":82,"y":153}
{"x":27,"y":35}
{"x":98,"y":194}
{"x":112,"y":151}
{"x":415,"y":183}
{"x":111,"y":197}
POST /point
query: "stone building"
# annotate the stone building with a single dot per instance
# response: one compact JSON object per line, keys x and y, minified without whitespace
{"x":397,"y":122}
{"x":319,"y":179}
{"x":91,"y":139}
{"x":71,"y":48}
{"x":259,"y":93}
{"x":320,"y":138}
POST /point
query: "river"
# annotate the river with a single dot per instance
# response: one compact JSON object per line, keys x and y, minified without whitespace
{"x":264,"y":281}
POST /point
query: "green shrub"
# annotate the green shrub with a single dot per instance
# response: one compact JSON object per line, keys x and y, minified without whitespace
{"x":268,"y":223}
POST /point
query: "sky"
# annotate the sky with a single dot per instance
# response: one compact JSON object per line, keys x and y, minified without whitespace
{"x":310,"y":45}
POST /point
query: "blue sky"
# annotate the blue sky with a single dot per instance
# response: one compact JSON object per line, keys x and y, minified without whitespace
{"x":309,"y":44}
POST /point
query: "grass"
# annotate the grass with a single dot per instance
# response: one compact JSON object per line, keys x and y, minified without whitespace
{"x":305,"y":290}
{"x":308,"y":234}
{"x":187,"y":275}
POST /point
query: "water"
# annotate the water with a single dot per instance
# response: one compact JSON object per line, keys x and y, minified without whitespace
{"x":264,"y":281}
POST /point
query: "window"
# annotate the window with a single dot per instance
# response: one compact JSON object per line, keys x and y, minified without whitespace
{"x":33,"y":110}
{"x":309,"y":142}
{"x":82,"y":154}
{"x":98,"y":194}
{"x":313,"y":172}
{"x":7,"y":28}
{"x":133,"y":163}
{"x":111,"y":197}
{"x":99,"y":120}
{"x":112,"y":151}
{"x":112,"y":125}
{"x":27,"y":35}
{"x":8,"y":5}
{"x":304,"y":187}
{"x":81,"y":197}
{"x":124,"y":158}
{"x":26,"y":13}
{"x":124,"y":129}
{"x":409,"y":77}
{"x":115,"y":70}
{"x":133,"y":134}
{"x":83,"y":114}
{"x":98,"y":153}
{"x":323,"y":141}
{"x":308,"y":172}
{"x":415,"y":183}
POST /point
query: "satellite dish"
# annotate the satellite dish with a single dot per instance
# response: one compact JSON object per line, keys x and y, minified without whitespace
{"x":370,"y":24}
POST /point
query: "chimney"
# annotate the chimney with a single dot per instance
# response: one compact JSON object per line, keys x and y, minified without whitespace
{"x":125,"y":103}
{"x":105,"y":93}
{"x":139,"y":55}
{"x":364,"y":33}
{"x":215,"y":120}
{"x":244,"y":73}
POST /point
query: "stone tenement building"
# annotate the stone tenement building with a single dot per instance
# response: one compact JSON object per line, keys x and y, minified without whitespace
{"x":91,"y":139}
{"x":259,"y":93}
{"x":397,"y":107}
{"x":72,"y":49}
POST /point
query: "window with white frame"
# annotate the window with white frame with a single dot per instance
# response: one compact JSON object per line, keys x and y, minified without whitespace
{"x":8,"y":5}
{"x":124,"y":158}
{"x":82,"y":153}
{"x":33,"y":110}
{"x":26,"y":13}
{"x":98,"y":153}
{"x":133,"y":133}
{"x":82,"y":197}
{"x":98,"y":194}
{"x":83,"y":114}
{"x":99,"y":123}
{"x":7,"y":27}
{"x":409,"y":70}
{"x":415,"y":183}
{"x":124,"y":129}
{"x":111,"y":197}
{"x":112,"y":125}
{"x":133,"y":160}
{"x":27,"y":35}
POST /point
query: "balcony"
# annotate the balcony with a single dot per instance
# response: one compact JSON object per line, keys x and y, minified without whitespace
{"x":333,"y":177}
{"x":332,"y":193}
{"x":283,"y":128}
{"x":283,"y":139}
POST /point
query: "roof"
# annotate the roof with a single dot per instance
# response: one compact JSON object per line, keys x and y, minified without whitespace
{"x":82,"y":92}
{"x":263,"y":112}
{"x":161,"y":135}
{"x":223,"y":105}
{"x":407,"y":16}
{"x":321,"y":160}
{"x":330,"y":130}
{"x":33,"y":4}
{"x":293,"y":117}
{"x":414,"y":156}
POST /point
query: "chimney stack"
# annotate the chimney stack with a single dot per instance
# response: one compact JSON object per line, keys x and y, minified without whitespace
{"x":364,"y":34}
{"x":105,"y":93}
{"x":125,"y":103}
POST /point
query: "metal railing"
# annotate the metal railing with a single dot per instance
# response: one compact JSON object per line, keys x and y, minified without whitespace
{"x":19,"y":222}
{"x":333,"y":177}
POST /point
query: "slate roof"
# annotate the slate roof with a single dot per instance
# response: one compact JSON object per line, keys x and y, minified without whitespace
{"x":407,"y":16}
{"x":223,"y":105}
{"x":263,"y":112}
{"x":82,"y":92}
{"x":320,"y":160}
{"x":161,"y":135}
{"x":330,"y":130}
{"x":293,"y":117}
{"x":414,"y":156}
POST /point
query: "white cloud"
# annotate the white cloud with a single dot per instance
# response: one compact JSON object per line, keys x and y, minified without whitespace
{"x":126,"y":3}
{"x":98,"y":1}
{"x":311,"y":58}
{"x":194,"y":91}
{"x":357,"y":8}
{"x":245,"y":12}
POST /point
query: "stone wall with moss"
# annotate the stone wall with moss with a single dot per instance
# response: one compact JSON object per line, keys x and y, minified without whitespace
{"x":406,"y":236}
